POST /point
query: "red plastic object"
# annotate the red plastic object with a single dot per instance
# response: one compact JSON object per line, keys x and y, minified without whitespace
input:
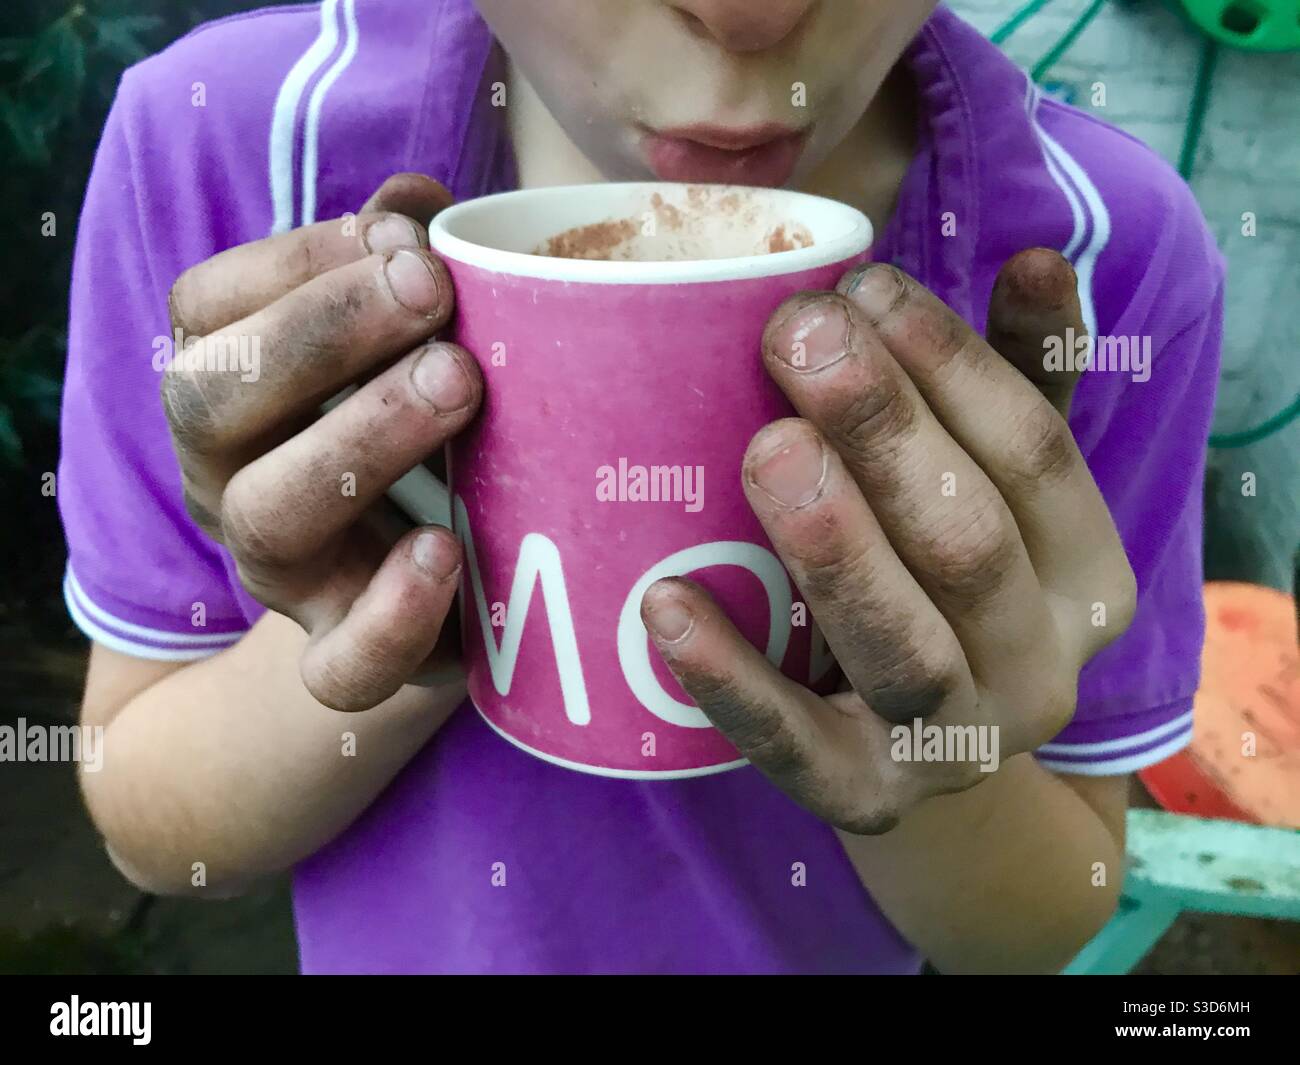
{"x":1244,"y":760}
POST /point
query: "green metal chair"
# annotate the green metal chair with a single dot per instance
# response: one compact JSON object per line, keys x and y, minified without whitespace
{"x":1179,"y":863}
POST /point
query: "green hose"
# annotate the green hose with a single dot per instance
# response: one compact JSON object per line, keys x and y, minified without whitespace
{"x":1275,"y":424}
{"x":1200,"y":103}
{"x":1017,"y":20}
{"x":1062,"y":46}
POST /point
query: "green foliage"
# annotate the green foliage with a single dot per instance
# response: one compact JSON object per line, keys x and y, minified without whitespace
{"x":59,"y":65}
{"x":60,"y":61}
{"x":69,"y":950}
{"x":49,"y":71}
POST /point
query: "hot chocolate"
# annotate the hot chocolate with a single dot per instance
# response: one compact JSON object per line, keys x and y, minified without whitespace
{"x":706,"y":222}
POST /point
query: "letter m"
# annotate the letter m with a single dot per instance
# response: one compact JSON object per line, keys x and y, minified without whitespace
{"x":539,"y":560}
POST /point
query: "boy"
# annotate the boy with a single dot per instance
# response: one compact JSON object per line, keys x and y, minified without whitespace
{"x":435,"y":846}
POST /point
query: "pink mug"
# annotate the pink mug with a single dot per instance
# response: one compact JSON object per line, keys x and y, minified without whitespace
{"x":618,"y":328}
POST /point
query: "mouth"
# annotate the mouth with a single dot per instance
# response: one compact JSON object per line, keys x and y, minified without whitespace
{"x":764,"y":155}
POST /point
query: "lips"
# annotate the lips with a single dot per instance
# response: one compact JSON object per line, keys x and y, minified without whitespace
{"x":763,"y":155}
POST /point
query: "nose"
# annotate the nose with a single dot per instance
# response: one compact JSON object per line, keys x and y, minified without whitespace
{"x":744,"y":25}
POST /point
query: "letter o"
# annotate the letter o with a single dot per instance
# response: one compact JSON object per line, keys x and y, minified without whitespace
{"x":634,"y":650}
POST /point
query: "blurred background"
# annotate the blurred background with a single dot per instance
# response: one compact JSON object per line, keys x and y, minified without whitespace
{"x":62,"y":906}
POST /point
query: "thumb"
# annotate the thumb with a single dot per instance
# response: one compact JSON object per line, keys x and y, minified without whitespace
{"x":1035,"y":300}
{"x":417,"y":196}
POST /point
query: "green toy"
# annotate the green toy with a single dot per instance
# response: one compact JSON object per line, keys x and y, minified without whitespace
{"x":1257,"y":25}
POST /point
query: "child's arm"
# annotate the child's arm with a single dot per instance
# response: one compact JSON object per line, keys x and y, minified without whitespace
{"x":229,"y":762}
{"x":1015,"y":875}
{"x":934,"y":509}
{"x":235,"y":761}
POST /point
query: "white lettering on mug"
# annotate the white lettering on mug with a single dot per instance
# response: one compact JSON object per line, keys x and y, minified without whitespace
{"x":634,"y":651}
{"x":539,"y":560}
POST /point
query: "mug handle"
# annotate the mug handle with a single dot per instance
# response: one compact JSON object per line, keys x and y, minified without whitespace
{"x":422,"y":497}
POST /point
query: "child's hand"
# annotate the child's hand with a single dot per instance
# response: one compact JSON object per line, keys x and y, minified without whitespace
{"x":293,"y":496}
{"x":934,"y":509}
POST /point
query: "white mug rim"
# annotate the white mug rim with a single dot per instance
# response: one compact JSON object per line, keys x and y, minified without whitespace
{"x":855,"y":239}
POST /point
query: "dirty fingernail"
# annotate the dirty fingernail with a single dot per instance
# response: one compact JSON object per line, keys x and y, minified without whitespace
{"x":667,"y":617}
{"x":391,"y":232}
{"x":439,"y":379}
{"x":791,"y":471}
{"x":814,"y":337}
{"x":434,"y":555}
{"x":876,"y":288}
{"x":412,"y":281}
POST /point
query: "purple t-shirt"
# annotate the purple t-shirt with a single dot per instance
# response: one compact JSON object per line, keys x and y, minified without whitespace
{"x":269,"y":120}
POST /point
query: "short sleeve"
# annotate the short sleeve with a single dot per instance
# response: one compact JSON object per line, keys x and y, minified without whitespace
{"x":142,"y":579}
{"x":1145,"y":441}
